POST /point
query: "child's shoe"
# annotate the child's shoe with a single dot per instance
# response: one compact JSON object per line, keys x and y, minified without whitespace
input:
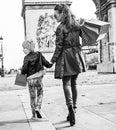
{"x":38,"y":113}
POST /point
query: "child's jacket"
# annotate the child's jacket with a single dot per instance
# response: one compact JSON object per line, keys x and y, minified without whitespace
{"x":34,"y":62}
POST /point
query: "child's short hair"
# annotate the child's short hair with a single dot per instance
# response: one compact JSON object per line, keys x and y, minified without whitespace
{"x":29,"y":44}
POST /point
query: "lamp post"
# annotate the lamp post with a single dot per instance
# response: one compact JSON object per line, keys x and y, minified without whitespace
{"x":1,"y":56}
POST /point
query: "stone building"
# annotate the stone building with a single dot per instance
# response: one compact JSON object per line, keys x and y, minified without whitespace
{"x":38,"y":20}
{"x":40,"y":24}
{"x":106,"y":11}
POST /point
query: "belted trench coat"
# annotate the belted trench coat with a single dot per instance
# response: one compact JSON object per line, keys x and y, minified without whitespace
{"x":68,"y":55}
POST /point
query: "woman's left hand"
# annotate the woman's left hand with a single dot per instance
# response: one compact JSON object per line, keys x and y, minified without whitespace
{"x":81,"y":21}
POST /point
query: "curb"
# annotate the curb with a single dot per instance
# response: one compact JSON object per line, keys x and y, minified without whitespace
{"x":41,"y":124}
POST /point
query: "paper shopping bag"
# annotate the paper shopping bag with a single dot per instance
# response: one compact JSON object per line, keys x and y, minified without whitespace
{"x":20,"y":80}
{"x":93,"y":31}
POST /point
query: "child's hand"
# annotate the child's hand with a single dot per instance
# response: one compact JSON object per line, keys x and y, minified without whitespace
{"x":19,"y":72}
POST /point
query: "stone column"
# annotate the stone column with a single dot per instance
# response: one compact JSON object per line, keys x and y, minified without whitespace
{"x":108,"y":50}
{"x":112,"y":31}
{"x":112,"y":20}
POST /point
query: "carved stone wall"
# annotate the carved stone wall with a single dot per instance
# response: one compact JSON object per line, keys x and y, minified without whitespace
{"x":107,"y":12}
{"x":34,"y":10}
{"x":45,"y":34}
{"x":39,"y":22}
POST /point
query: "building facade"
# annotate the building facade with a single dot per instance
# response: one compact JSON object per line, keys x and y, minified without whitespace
{"x":106,"y":11}
{"x":39,"y":25}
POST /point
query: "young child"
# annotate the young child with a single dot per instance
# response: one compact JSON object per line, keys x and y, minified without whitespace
{"x":33,"y":64}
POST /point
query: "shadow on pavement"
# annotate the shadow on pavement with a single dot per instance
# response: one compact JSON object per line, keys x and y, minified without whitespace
{"x":13,"y":121}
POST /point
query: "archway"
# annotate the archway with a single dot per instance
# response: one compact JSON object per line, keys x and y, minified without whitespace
{"x":83,"y":9}
{"x":105,"y":10}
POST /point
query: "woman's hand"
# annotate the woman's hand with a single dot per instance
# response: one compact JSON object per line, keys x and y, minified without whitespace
{"x":81,"y":21}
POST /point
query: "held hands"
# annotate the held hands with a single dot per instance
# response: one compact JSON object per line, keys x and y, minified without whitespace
{"x":19,"y":71}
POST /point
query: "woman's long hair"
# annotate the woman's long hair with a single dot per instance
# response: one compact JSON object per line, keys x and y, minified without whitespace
{"x":68,"y":18}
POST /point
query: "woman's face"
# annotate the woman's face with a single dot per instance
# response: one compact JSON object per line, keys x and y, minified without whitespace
{"x":58,"y":16}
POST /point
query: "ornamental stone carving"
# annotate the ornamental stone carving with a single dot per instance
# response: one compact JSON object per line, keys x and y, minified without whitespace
{"x":45,"y":34}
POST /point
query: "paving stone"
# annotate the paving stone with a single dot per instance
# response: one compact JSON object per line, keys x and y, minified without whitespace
{"x":107,"y":111}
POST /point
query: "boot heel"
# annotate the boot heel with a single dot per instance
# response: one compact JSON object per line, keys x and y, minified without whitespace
{"x":68,"y":118}
{"x":71,"y":116}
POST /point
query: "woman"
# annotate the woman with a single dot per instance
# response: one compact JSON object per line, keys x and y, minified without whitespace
{"x":68,"y":56}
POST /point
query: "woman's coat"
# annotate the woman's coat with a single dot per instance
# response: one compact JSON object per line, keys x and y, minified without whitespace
{"x":68,"y":55}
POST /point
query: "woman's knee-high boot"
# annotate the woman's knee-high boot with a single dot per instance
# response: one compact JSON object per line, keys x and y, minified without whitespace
{"x":71,"y":115}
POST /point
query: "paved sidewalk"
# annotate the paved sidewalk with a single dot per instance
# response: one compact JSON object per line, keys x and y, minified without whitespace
{"x":15,"y":112}
{"x":96,"y":104}
{"x":96,"y":108}
{"x":12,"y":115}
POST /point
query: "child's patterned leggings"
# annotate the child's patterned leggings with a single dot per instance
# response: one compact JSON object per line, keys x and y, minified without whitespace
{"x":36,"y":93}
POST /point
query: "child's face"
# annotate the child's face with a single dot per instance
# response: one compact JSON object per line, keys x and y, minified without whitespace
{"x":26,"y":51}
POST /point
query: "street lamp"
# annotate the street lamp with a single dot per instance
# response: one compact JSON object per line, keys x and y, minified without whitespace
{"x":1,"y":56}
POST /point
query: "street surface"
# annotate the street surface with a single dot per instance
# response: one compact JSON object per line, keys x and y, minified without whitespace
{"x":96,"y":104}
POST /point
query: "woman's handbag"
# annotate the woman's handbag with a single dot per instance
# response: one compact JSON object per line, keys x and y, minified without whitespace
{"x":21,"y":80}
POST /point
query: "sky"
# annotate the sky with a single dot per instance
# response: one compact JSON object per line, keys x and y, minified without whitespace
{"x":12,"y":27}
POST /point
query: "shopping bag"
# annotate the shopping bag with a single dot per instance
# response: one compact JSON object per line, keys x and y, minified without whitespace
{"x":93,"y":31}
{"x":20,"y":80}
